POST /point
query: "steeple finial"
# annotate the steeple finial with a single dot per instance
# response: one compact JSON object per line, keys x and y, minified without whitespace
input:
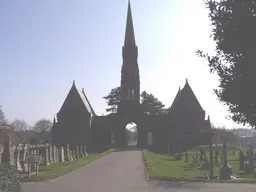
{"x":54,"y":120}
{"x":74,"y":83}
{"x":129,"y":32}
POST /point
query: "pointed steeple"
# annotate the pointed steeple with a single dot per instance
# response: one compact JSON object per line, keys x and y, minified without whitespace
{"x":54,"y":120}
{"x":129,"y":32}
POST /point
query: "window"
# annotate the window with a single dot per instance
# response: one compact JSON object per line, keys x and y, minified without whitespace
{"x":128,"y":92}
{"x":132,"y":94}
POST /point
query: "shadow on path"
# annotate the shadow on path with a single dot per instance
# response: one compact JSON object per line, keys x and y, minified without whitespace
{"x":129,"y":148}
{"x":178,"y":185}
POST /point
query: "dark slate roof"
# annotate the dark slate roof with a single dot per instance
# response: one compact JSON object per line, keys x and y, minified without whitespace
{"x":188,"y":92}
{"x":83,"y":98}
{"x":185,"y":95}
{"x":86,"y":102}
{"x":175,"y":101}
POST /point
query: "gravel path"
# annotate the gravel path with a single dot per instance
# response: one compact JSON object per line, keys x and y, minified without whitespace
{"x":123,"y":171}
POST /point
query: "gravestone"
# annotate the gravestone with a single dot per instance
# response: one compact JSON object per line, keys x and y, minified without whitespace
{"x":241,"y":160}
{"x":201,"y":155}
{"x":81,"y":150}
{"x":216,"y":156}
{"x":178,"y":156}
{"x":18,"y":165}
{"x":77,"y":152}
{"x":186,"y":156}
{"x":250,"y":168}
{"x":67,"y":153}
{"x":54,"y":149}
{"x":8,"y":155}
{"x":194,"y":160}
{"x":62,"y":156}
{"x":50,"y":154}
{"x":225,"y":170}
{"x":85,"y":151}
{"x":46,"y":156}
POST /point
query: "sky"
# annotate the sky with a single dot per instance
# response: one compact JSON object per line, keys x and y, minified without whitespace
{"x":45,"y":45}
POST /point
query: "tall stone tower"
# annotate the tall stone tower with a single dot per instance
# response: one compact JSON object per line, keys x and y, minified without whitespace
{"x":130,"y":76}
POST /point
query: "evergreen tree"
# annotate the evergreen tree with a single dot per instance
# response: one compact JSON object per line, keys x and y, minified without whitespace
{"x":150,"y":104}
{"x":233,"y":30}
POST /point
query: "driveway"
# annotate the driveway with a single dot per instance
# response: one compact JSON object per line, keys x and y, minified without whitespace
{"x":123,"y":171}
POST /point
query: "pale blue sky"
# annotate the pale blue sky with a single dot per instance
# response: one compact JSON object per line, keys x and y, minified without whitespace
{"x":45,"y":45}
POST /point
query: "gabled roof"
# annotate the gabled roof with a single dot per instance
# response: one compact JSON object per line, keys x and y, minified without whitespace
{"x":186,"y":94}
{"x":189,"y":94}
{"x":175,"y":101}
{"x":86,"y":102}
{"x":82,"y":96}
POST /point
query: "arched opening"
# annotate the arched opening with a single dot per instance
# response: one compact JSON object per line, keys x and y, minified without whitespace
{"x":131,"y":134}
{"x":150,"y":139}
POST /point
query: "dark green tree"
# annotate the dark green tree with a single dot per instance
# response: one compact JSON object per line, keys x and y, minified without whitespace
{"x":42,"y":126}
{"x":233,"y":30}
{"x":113,"y":99}
{"x":149,"y":103}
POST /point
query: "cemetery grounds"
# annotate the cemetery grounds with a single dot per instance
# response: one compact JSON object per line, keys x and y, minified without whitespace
{"x":166,"y":167}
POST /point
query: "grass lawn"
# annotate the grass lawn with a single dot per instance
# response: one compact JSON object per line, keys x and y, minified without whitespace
{"x":56,"y":170}
{"x":165,"y":167}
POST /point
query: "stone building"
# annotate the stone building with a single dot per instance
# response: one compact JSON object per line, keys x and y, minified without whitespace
{"x":77,"y":122}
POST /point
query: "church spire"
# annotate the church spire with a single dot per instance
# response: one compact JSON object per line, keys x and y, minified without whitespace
{"x":129,"y":32}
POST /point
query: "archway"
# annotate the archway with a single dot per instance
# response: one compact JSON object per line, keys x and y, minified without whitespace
{"x":149,"y":139}
{"x":131,"y":134}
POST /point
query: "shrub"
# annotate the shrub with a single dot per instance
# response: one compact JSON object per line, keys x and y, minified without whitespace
{"x":9,"y":181}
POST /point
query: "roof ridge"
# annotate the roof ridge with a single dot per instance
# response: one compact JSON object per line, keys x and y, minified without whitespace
{"x":86,"y":98}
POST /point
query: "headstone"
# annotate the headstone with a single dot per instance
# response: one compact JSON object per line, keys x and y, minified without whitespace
{"x":77,"y":152}
{"x":81,"y":151}
{"x":178,"y":156}
{"x":50,"y":154}
{"x":250,"y":160}
{"x":54,"y":153}
{"x":186,"y":155}
{"x":201,"y":155}
{"x":205,"y":165}
{"x":62,"y":157}
{"x":74,"y":154}
{"x":46,"y":156}
{"x":8,"y":155}
{"x":241,"y":160}
{"x":57,"y":155}
{"x":85,"y":151}
{"x":216,"y":156}
{"x":23,"y":165}
{"x":1,"y":151}
{"x":225,"y":170}
{"x":18,"y":165}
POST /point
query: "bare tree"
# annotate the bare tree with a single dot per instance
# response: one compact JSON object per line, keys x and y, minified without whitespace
{"x":1,"y":115}
{"x":43,"y":125}
{"x":19,"y":125}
